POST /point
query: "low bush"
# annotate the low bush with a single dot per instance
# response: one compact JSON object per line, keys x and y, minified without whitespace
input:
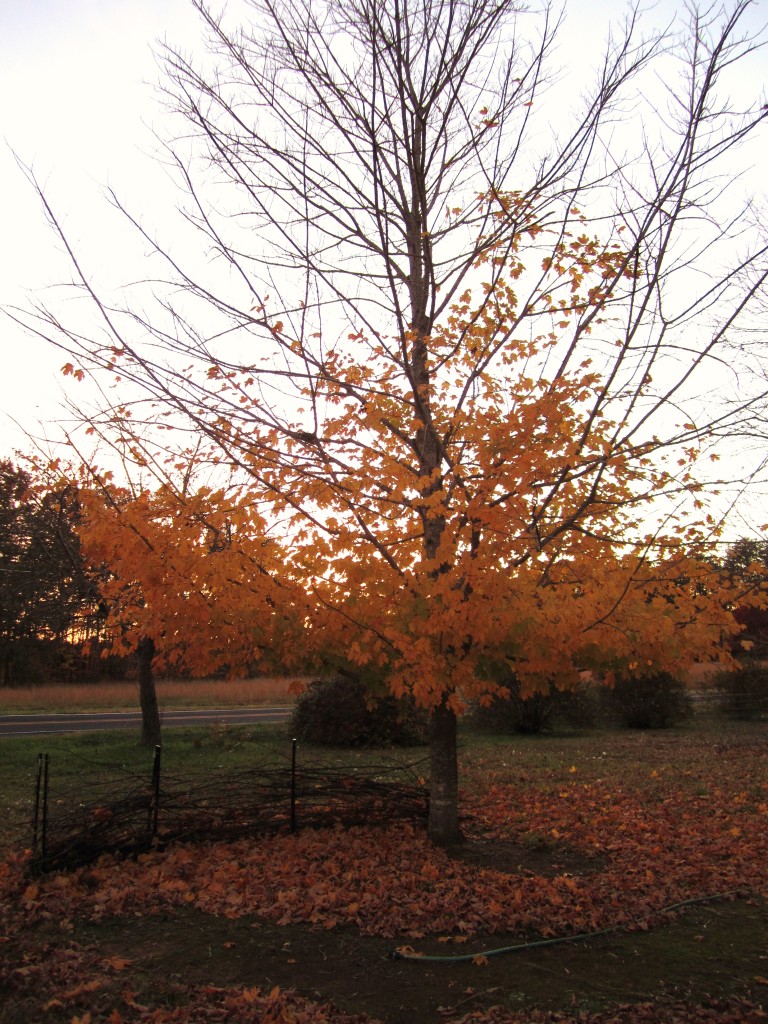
{"x":652,"y":702}
{"x":340,"y":712}
{"x":744,"y":692}
{"x":535,"y":713}
{"x":504,"y":715}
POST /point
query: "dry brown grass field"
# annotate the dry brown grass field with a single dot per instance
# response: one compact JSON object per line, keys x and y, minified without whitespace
{"x":186,"y":693}
{"x":172,"y":693}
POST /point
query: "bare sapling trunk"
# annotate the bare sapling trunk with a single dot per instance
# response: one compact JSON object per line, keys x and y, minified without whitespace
{"x":150,"y":714}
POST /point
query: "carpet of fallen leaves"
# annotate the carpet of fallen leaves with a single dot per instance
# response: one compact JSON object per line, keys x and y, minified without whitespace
{"x":655,"y":838}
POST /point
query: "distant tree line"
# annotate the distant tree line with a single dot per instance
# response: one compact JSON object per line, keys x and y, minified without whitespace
{"x":746,"y":563}
{"x":51,"y":617}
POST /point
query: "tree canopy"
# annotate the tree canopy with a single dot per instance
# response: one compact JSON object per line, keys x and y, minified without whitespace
{"x":193,"y":571}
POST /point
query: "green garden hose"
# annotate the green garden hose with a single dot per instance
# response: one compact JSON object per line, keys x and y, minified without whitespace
{"x":401,"y":954}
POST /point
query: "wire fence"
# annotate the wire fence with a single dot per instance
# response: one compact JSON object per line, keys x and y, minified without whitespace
{"x":733,"y":702}
{"x":120,"y":811}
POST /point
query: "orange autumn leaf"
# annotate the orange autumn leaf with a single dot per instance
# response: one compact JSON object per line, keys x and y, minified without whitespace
{"x":83,"y":988}
{"x":117,"y":963}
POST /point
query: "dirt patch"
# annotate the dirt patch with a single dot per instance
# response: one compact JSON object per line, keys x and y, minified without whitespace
{"x":714,"y":950}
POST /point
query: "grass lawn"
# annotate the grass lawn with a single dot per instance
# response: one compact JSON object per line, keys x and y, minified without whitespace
{"x":565,"y":835}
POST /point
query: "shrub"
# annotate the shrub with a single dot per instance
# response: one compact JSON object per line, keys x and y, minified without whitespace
{"x":340,"y":712}
{"x":744,"y":692}
{"x":514,"y":714}
{"x":650,"y":702}
{"x":578,"y":708}
{"x":535,"y":713}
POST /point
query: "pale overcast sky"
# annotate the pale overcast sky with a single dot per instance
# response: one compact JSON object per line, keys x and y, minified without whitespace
{"x":75,"y":88}
{"x":75,"y":102}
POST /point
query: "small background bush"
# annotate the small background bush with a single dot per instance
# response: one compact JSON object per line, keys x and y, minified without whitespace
{"x":651,"y":702}
{"x":744,"y":692}
{"x":536,"y":713}
{"x":340,"y":712}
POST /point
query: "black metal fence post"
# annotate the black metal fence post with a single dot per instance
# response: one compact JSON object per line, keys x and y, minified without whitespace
{"x":36,"y":814}
{"x":293,"y":785}
{"x":44,"y":841}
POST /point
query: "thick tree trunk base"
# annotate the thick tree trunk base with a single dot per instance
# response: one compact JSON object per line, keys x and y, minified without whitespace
{"x":444,"y":779}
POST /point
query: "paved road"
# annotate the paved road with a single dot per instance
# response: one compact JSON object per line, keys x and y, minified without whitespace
{"x":35,"y":725}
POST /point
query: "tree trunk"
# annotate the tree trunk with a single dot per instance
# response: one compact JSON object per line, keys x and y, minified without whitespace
{"x":150,"y":715}
{"x":444,"y":778}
